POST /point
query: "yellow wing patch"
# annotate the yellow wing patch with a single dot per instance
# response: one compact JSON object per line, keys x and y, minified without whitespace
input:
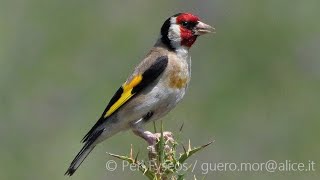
{"x":125,"y":96}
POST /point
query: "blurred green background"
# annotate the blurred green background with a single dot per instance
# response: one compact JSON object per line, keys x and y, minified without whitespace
{"x":255,"y":88}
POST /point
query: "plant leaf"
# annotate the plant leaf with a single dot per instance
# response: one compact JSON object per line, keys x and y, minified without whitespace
{"x":180,"y":176}
{"x":186,"y":155}
{"x":146,"y":172}
{"x":125,"y":158}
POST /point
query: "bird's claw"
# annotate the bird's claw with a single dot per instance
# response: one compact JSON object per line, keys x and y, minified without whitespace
{"x":153,"y":138}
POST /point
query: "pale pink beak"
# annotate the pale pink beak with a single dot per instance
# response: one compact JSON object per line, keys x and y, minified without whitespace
{"x":202,"y":28}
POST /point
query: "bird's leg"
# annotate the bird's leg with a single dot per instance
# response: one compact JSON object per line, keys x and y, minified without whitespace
{"x":146,"y":135}
{"x":150,"y":137}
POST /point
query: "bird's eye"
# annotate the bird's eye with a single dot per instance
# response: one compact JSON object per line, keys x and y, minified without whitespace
{"x":185,"y":24}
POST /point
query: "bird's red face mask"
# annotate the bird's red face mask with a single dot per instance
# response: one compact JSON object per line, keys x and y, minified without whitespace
{"x":185,"y":28}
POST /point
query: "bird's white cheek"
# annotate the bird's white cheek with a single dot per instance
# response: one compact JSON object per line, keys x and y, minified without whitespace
{"x":174,"y":35}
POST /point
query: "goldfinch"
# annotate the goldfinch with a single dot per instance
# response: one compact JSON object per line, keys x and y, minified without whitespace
{"x":155,"y":87}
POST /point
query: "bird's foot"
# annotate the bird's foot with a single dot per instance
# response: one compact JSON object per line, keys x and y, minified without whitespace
{"x":153,"y":138}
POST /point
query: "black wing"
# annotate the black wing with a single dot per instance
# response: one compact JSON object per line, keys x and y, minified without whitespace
{"x":128,"y":90}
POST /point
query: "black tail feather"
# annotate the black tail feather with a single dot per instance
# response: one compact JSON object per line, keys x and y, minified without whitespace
{"x":84,"y":152}
{"x":78,"y":160}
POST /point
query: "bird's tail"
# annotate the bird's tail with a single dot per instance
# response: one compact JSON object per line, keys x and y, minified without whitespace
{"x":84,"y":152}
{"x":95,"y":136}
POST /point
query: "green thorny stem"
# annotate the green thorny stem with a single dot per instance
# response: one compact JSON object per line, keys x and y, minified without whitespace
{"x":163,"y":159}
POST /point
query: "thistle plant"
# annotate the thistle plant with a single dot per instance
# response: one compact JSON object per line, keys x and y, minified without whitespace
{"x":164,"y":161}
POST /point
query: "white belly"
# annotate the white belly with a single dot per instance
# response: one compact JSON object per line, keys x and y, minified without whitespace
{"x":164,"y":100}
{"x":162,"y":97}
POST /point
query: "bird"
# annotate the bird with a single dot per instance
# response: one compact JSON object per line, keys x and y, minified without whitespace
{"x":157,"y":84}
